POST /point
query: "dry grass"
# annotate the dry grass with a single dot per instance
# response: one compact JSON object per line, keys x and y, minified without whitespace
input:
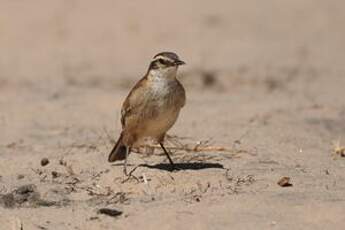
{"x":338,"y":150}
{"x":183,"y":144}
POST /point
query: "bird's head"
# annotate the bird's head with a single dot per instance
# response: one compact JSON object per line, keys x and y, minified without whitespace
{"x":164,"y":65}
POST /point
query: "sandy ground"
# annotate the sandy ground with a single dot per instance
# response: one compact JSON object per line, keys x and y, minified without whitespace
{"x":264,"y":80}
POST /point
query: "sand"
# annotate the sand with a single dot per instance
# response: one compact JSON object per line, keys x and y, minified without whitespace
{"x":264,"y":80}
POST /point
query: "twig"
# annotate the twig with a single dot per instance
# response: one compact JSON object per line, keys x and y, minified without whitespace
{"x":109,"y":137}
{"x":338,"y":149}
{"x":130,"y":175}
{"x":196,"y":148}
{"x":149,"y":190}
{"x":145,"y":179}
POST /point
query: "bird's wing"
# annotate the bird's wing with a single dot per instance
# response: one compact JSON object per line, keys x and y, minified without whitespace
{"x":134,"y":103}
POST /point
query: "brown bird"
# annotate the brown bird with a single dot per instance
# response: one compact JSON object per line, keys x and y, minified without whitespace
{"x":151,"y":108}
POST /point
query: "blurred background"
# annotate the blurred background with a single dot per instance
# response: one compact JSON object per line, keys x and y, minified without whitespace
{"x":89,"y":42}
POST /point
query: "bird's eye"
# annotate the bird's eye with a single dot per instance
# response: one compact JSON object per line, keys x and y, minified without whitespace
{"x":163,"y":61}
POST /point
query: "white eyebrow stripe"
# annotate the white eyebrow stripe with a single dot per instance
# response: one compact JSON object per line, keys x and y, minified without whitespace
{"x":162,"y":57}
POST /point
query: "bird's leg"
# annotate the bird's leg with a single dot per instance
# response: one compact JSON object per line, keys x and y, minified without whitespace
{"x":125,"y":162}
{"x":129,"y":175}
{"x":168,"y":156}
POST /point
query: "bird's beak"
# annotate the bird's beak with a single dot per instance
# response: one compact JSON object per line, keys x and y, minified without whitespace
{"x":179,"y":62}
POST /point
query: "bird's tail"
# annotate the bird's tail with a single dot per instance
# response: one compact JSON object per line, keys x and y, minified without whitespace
{"x":119,"y":151}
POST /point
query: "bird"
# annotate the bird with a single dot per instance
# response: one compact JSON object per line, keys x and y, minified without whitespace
{"x":151,"y":107}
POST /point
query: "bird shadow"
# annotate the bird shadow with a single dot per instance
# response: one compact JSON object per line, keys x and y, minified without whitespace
{"x":184,"y":166}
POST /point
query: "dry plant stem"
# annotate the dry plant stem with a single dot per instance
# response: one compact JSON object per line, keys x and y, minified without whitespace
{"x":109,"y":137}
{"x":338,"y":149}
{"x":195,"y":149}
{"x":149,"y":190}
{"x":130,"y":175}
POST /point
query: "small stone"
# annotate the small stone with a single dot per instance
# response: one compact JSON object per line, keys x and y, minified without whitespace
{"x":94,"y":218}
{"x":62,"y":162}
{"x":44,"y":161}
{"x":284,"y":182}
{"x":109,"y":212}
{"x":20,"y":176}
{"x":55,"y":174}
